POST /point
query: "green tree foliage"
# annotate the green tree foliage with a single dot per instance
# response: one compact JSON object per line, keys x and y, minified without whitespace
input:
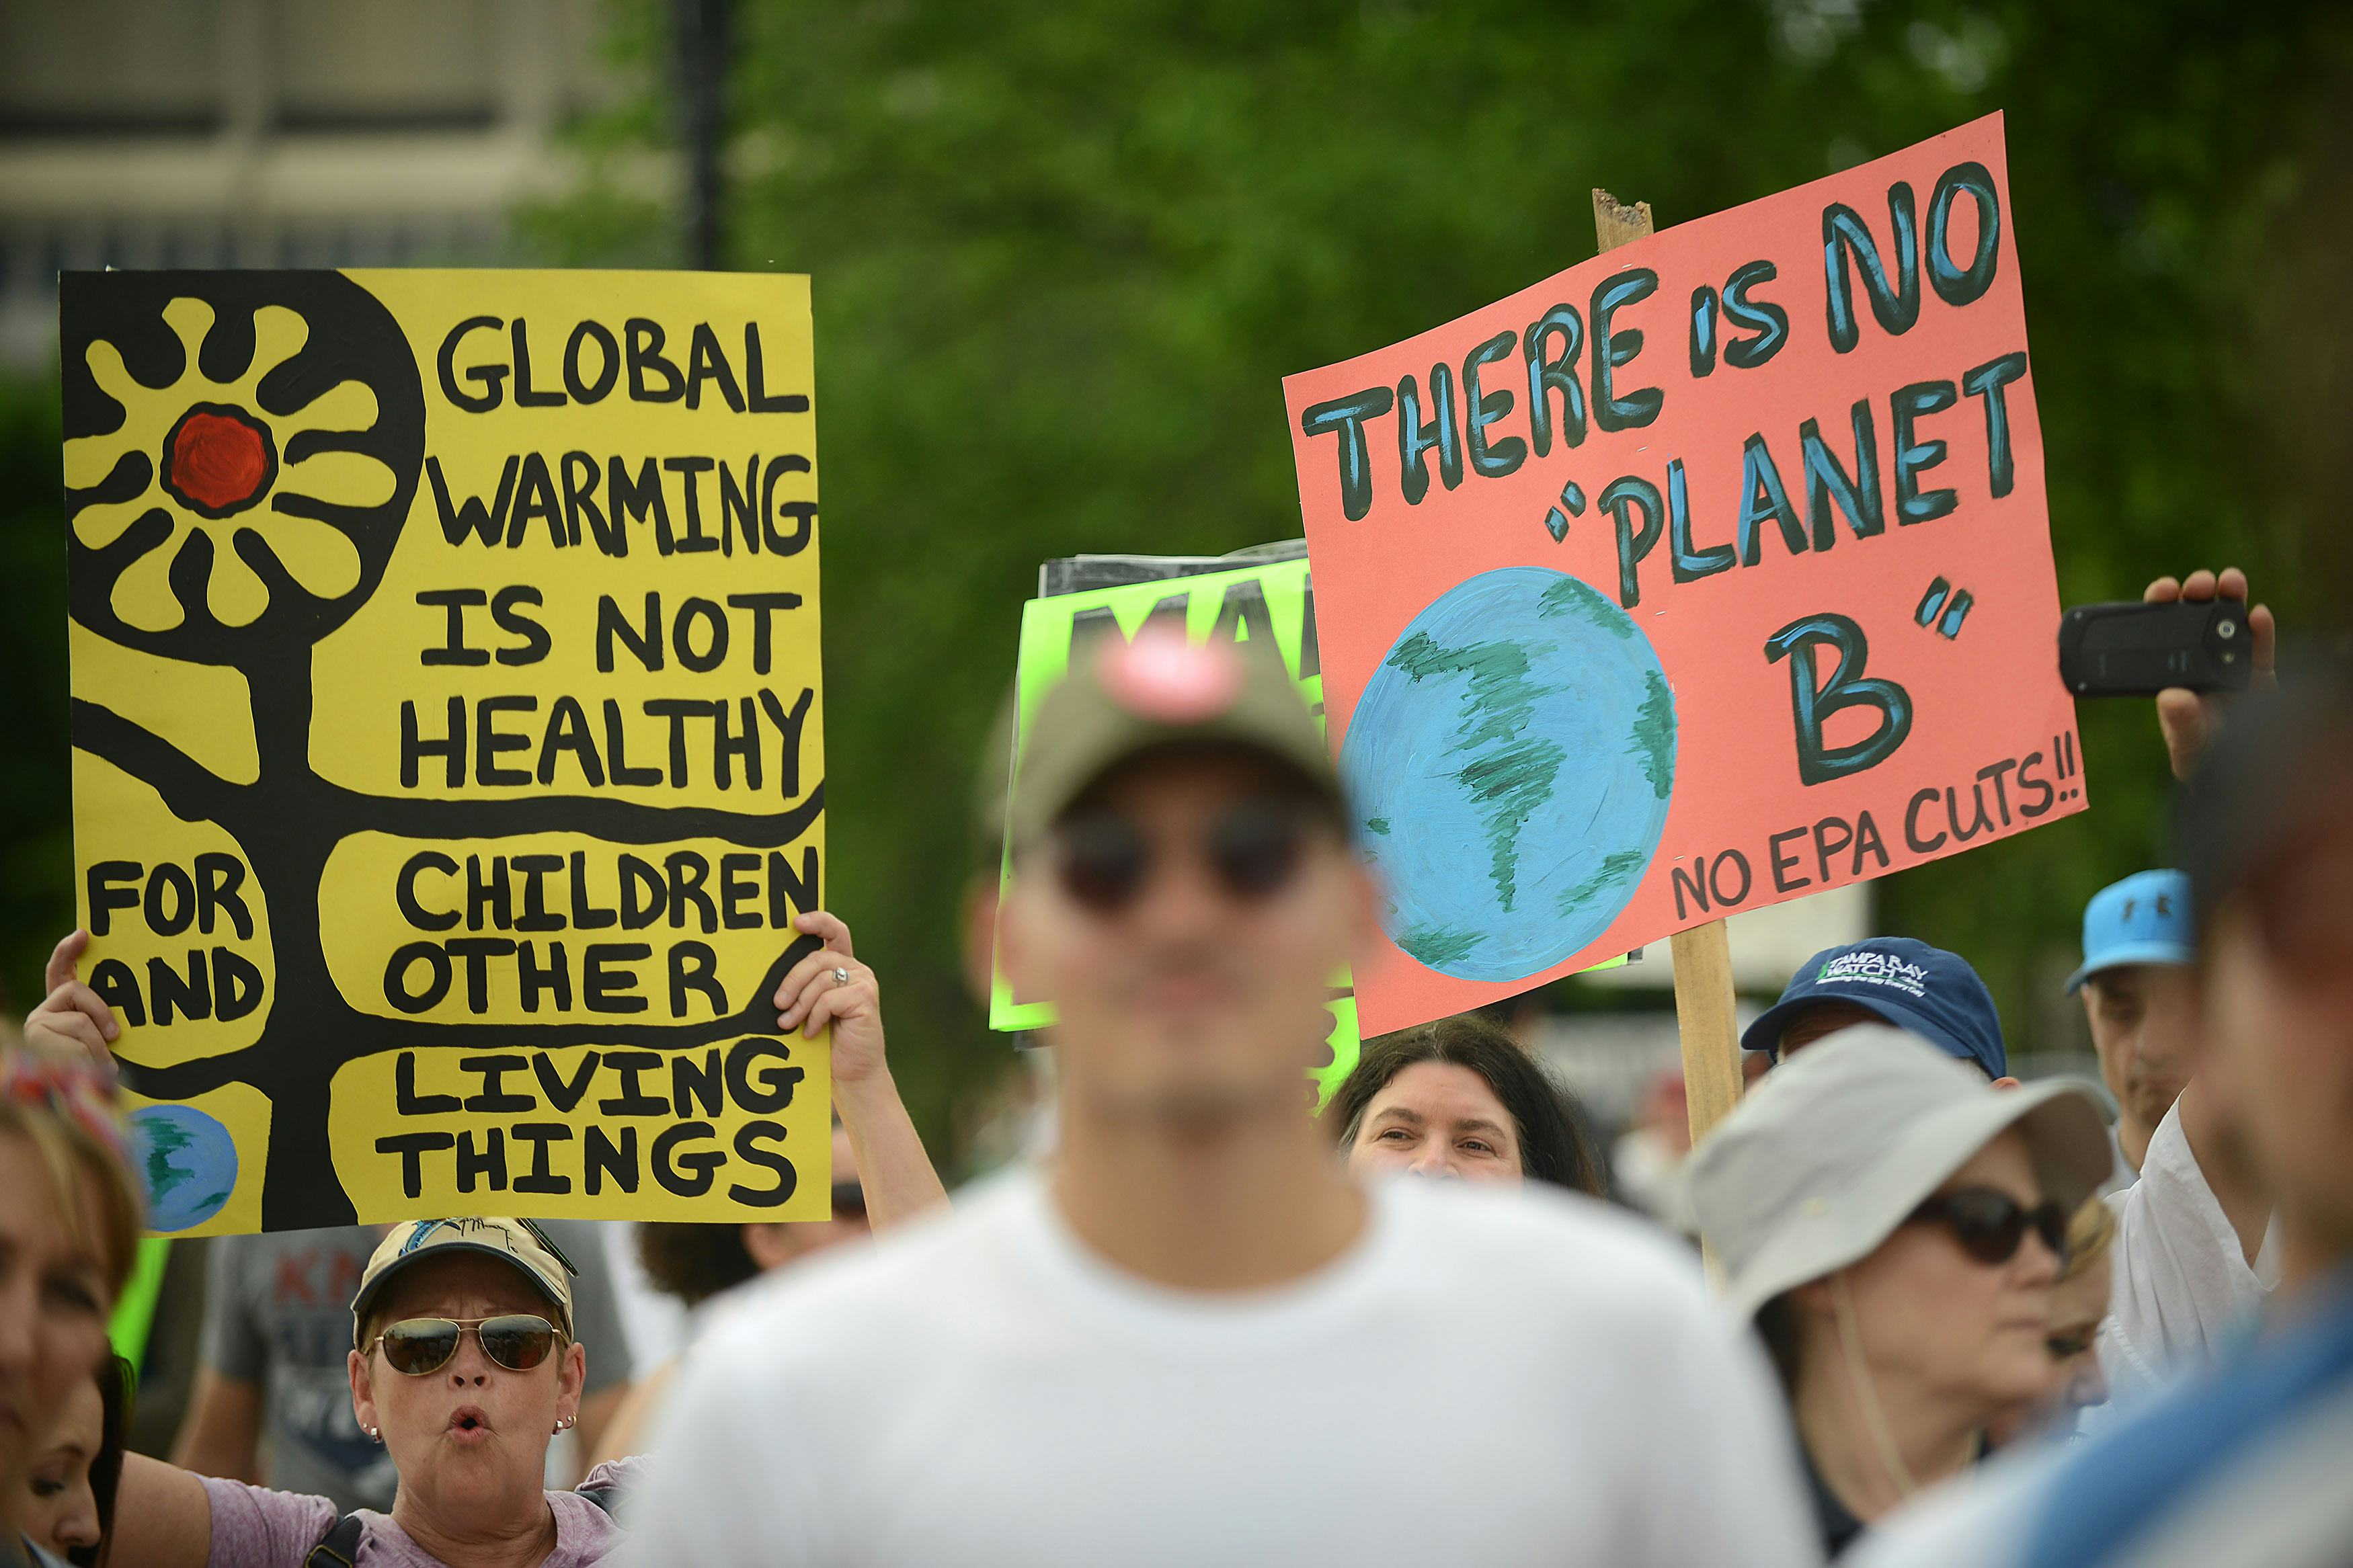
{"x":1065,"y":252}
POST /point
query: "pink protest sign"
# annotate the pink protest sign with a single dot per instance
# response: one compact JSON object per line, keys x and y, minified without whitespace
{"x":1710,"y":572}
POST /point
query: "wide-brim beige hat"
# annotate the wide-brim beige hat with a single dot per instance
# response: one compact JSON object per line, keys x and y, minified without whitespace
{"x":1823,"y":1160}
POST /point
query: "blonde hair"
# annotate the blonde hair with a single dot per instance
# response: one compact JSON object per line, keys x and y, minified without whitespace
{"x":79,"y":1166}
{"x":2088,"y":1236}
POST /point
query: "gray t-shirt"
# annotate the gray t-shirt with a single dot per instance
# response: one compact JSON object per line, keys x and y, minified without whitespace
{"x":254,"y":1527}
{"x":278,"y":1311}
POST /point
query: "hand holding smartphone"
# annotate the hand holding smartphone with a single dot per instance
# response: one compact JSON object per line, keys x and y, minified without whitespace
{"x":2191,"y":641}
{"x":2139,"y":650}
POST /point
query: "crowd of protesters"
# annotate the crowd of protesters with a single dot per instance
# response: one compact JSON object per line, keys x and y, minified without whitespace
{"x":1948,"y":1318}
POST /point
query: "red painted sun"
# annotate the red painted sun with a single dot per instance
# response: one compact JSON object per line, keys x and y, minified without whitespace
{"x":218,"y":459}
{"x":222,"y":466}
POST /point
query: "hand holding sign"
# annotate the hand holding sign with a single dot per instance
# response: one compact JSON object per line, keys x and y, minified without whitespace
{"x":71,"y":1017}
{"x":831,"y":989}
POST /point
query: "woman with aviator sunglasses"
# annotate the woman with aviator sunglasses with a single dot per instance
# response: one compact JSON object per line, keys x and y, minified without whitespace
{"x":1896,"y":1228}
{"x":464,"y":1367}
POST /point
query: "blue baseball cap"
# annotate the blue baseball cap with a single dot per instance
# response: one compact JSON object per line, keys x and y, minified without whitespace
{"x":1933,"y":994}
{"x":2145,"y":919}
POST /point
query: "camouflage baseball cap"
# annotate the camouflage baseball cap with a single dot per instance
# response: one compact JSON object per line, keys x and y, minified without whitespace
{"x":515,"y":1241}
{"x":1161,"y":689}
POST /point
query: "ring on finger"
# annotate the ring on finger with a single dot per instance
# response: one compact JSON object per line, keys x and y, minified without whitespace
{"x":842,"y":977}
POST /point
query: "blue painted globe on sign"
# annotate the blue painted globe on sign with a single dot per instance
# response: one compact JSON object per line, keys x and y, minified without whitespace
{"x":189,"y":1161}
{"x":1510,"y":765}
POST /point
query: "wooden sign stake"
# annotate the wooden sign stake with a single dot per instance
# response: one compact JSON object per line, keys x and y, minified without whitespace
{"x":1702,"y":956}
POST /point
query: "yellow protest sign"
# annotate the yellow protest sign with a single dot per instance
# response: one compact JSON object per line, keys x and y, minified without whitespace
{"x":448,"y":725}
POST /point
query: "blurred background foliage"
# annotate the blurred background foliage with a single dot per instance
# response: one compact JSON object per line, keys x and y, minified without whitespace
{"x":1064,"y":253}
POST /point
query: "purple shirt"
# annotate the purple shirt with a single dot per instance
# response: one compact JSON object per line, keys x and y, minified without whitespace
{"x":254,"y":1526}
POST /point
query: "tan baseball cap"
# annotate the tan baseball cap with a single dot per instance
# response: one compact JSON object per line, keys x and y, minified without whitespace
{"x":1122,"y":697}
{"x":515,"y":1241}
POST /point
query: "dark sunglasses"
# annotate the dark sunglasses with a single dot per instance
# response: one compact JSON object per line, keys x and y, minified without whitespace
{"x":515,"y":1341}
{"x":1990,"y":1225}
{"x":1105,"y":861}
{"x":849,"y":1201}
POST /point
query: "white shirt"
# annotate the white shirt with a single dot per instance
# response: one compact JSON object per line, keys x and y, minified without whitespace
{"x":652,"y":1321}
{"x":2182,"y":1287}
{"x":1504,"y":1377}
{"x":2121,"y":1173}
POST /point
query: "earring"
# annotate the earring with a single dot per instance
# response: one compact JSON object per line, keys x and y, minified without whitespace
{"x":373,"y":1436}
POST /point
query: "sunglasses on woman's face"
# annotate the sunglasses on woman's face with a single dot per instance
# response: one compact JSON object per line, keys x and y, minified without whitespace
{"x":1105,"y":861}
{"x":1990,"y":1224}
{"x":515,"y":1341}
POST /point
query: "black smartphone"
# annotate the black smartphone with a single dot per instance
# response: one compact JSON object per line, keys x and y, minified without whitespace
{"x":2139,"y":650}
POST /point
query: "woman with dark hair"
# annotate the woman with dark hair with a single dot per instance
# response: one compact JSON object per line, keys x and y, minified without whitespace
{"x":70,"y":1508}
{"x":1458,"y":1099}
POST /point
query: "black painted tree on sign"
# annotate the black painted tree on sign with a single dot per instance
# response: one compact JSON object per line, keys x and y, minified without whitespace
{"x":229,"y":438}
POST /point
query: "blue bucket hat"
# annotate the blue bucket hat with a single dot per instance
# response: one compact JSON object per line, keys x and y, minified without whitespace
{"x":2145,"y":919}
{"x":1933,"y":994}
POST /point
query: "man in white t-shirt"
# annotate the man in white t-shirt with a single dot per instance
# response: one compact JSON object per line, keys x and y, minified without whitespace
{"x":1192,"y":1339}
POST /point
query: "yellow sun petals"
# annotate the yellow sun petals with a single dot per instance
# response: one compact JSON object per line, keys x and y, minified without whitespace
{"x":346,"y":406}
{"x":236,"y":595}
{"x":345,"y":479}
{"x":323,"y":559}
{"x":101,"y":523}
{"x":142,"y":595}
{"x":318,"y":557}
